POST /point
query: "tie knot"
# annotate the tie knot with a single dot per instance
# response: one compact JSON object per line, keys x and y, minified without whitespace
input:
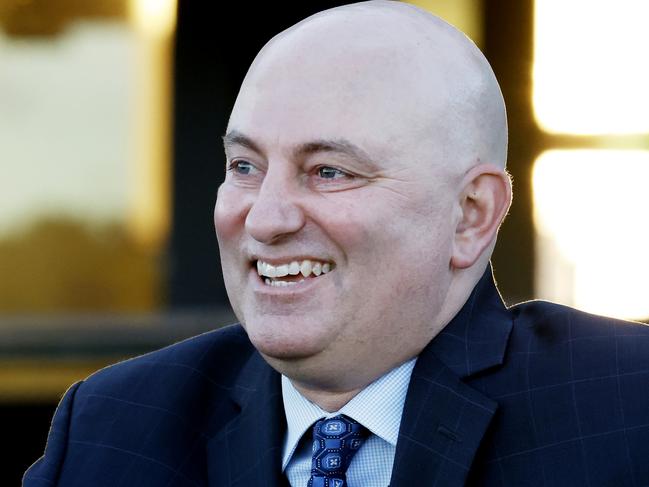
{"x":335,"y":442}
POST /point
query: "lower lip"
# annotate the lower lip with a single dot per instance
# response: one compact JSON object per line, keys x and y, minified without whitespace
{"x":261,"y":287}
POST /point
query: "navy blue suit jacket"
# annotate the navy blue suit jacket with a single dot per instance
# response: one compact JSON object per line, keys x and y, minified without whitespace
{"x":535,"y":395}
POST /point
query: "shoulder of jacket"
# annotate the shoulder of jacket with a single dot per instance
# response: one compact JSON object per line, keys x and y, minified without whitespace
{"x":218,"y":354}
{"x":547,"y":319}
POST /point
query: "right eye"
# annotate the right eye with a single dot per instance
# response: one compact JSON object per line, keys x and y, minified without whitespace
{"x":241,"y":167}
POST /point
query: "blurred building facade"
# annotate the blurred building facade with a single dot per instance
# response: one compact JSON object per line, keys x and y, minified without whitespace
{"x":111,"y":113}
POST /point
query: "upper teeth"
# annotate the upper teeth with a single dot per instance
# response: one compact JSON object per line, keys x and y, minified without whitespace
{"x":293,"y":268}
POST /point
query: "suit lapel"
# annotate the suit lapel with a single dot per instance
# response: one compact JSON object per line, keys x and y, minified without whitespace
{"x":444,"y":419}
{"x":247,"y":451}
{"x":442,"y":426}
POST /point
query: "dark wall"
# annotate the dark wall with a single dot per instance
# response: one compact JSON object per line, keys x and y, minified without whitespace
{"x":509,"y":49}
{"x":25,"y":428}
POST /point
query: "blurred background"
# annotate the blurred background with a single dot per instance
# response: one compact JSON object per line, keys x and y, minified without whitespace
{"x":111,"y":113}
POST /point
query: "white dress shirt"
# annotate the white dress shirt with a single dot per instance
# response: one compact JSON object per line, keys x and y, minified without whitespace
{"x":378,"y":407}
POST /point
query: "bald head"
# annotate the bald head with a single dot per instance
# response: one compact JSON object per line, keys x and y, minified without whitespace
{"x":391,"y":61}
{"x":371,"y":139}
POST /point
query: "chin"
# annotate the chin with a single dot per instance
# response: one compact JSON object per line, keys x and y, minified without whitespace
{"x":278,"y":344}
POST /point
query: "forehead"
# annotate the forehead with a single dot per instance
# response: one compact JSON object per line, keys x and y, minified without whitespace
{"x":386,"y":85}
{"x":292,"y":100}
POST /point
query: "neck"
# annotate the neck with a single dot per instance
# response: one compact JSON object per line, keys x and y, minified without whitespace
{"x":329,"y":401}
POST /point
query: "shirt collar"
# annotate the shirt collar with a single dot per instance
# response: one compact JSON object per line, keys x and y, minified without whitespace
{"x":378,"y":407}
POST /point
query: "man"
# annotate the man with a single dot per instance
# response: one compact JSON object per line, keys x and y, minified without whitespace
{"x":365,"y":186}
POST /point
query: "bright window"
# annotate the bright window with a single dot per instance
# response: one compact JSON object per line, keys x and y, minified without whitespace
{"x":591,"y":68}
{"x":590,"y":210}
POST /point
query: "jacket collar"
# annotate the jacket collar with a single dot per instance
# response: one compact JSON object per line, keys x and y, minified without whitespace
{"x":476,"y":338}
{"x":444,"y":419}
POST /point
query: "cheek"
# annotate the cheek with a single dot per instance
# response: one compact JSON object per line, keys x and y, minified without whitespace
{"x":367,"y":230}
{"x":347,"y":223}
{"x":229,"y":215}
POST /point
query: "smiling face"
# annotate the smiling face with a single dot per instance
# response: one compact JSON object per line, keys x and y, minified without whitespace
{"x":338,"y":212}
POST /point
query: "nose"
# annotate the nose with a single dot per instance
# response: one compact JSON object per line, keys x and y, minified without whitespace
{"x":275,"y":212}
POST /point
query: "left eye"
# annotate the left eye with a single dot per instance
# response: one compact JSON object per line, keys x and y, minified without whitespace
{"x":326,"y":172}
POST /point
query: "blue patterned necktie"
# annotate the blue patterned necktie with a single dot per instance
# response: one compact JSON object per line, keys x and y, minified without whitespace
{"x":335,"y":442}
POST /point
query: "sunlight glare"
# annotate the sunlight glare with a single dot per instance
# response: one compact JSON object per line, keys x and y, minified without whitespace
{"x":591,"y":69}
{"x":590,"y":213}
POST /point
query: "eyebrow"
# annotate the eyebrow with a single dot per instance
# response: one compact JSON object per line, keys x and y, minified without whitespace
{"x":336,"y":146}
{"x":237,"y":138}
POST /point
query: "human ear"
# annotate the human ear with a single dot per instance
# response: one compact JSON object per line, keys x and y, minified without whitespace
{"x":484,"y":201}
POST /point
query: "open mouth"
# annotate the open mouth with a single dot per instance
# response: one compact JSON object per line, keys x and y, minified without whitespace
{"x":292,"y":273}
